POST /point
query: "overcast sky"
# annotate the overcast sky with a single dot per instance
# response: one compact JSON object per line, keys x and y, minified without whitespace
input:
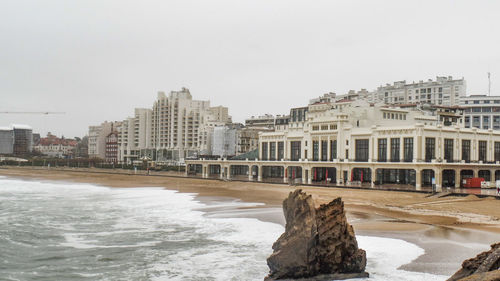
{"x":98,"y":60}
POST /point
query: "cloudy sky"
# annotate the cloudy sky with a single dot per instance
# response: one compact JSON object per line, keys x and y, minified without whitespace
{"x":98,"y":60}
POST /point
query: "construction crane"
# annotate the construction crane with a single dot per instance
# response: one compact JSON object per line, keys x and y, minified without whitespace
{"x":31,"y":112}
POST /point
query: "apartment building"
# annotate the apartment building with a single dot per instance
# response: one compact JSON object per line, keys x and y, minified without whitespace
{"x":482,"y":111}
{"x":357,"y":142}
{"x":97,"y":138}
{"x":444,"y":91}
{"x":135,"y":136}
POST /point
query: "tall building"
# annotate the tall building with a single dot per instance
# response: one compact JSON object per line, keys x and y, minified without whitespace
{"x":6,"y":140}
{"x":482,"y":111}
{"x":135,"y":139}
{"x":181,"y":125}
{"x":443,"y":91}
{"x":23,"y":139}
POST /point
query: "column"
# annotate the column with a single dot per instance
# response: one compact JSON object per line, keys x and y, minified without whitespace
{"x":418,"y":179}
{"x":457,"y":178}
{"x":309,"y":176}
{"x":338,"y":176}
{"x":372,"y":182}
{"x":186,"y":170}
{"x":259,"y":173}
{"x":221,"y":172}
{"x":250,"y":175}
{"x":305,"y":173}
{"x":328,"y":148}
{"x":285,"y":174}
{"x":438,"y":176}
{"x":228,"y":175}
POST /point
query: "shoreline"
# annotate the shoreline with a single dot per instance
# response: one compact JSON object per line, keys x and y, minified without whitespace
{"x":446,"y":239}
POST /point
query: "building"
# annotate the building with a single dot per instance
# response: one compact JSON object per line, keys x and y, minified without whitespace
{"x":97,"y":138}
{"x":444,"y":91}
{"x":23,"y":139}
{"x":135,"y":136}
{"x":112,"y":147}
{"x":482,"y":111}
{"x":6,"y":141}
{"x":54,"y":146}
{"x":358,"y":143}
{"x":264,"y":121}
{"x":224,"y":141}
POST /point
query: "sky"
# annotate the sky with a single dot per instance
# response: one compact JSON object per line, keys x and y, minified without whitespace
{"x":97,"y":60}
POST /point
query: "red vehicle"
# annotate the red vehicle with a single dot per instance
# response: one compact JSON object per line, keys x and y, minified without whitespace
{"x":473,"y":182}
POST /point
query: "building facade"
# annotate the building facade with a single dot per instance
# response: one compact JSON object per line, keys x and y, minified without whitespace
{"x":97,"y":138}
{"x":361,"y":143}
{"x":444,"y":91}
{"x":482,"y":111}
{"x":54,"y":146}
{"x":112,"y":147}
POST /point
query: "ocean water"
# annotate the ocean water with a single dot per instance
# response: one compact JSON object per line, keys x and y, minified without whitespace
{"x":65,"y":231}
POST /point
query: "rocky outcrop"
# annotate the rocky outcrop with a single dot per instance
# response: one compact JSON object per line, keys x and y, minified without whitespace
{"x":484,"y":266}
{"x":318,"y":244}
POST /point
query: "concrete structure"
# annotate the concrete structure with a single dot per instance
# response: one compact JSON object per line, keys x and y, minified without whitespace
{"x":443,"y":91}
{"x":135,"y":136}
{"x":358,"y":143}
{"x":23,"y":139}
{"x":6,"y":140}
{"x":264,"y":121}
{"x":53,"y":146}
{"x":97,"y":138}
{"x":482,"y":111}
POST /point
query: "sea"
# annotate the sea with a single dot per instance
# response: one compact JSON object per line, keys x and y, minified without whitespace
{"x":70,"y":231}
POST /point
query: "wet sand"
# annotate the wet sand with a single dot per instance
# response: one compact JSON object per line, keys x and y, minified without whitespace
{"x":449,"y":229}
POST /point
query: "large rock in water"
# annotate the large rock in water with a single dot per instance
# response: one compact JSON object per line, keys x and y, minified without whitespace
{"x":485,"y":266}
{"x":317,"y":243}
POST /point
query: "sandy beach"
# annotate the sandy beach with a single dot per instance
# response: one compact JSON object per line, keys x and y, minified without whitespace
{"x":449,"y":229}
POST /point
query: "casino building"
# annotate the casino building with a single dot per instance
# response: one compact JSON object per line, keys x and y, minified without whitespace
{"x":360,"y":143}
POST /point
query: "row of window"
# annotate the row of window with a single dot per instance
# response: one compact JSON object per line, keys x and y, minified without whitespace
{"x":324,"y":127}
{"x":483,"y":101}
{"x":362,"y":150}
{"x":396,"y":116}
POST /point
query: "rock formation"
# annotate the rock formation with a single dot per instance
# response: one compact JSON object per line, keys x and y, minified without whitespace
{"x":485,"y":266}
{"x":317,"y":243}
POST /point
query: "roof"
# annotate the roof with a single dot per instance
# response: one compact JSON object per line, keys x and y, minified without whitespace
{"x":254,"y":154}
{"x":21,"y":126}
{"x":57,"y":141}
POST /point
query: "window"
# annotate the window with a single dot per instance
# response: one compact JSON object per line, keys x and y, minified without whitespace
{"x":333,"y":149}
{"x":382,"y":150}
{"x":315,"y":128}
{"x":272,"y":151}
{"x":281,"y":150}
{"x":482,"y":151}
{"x":475,"y":121}
{"x":486,"y":122}
{"x":362,"y":150}
{"x":324,"y":150}
{"x":430,"y":147}
{"x":408,"y":149}
{"x":324,"y":127}
{"x":315,"y":150}
{"x":295,"y":150}
{"x":448,"y":150}
{"x":395,"y":148}
{"x":466,"y":150}
{"x":497,"y":151}
{"x":264,"y":150}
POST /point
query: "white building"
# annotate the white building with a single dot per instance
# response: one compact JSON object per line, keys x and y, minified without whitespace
{"x":443,"y":91}
{"x":372,"y":144}
{"x":224,"y":141}
{"x":135,"y":136}
{"x":482,"y":111}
